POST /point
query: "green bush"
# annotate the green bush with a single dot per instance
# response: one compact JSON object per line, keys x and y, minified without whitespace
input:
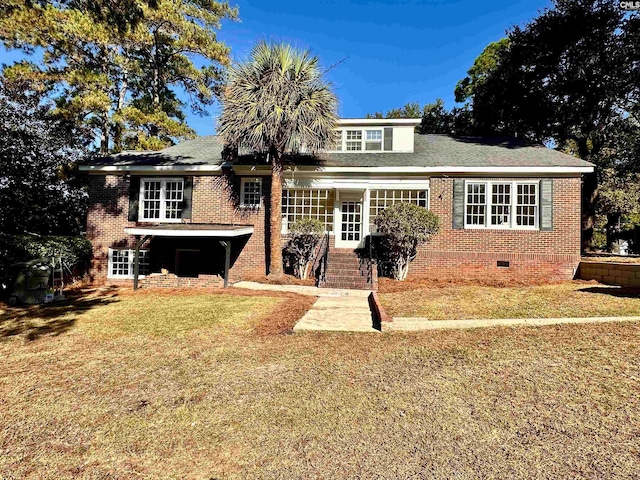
{"x":75,"y":252}
{"x":404,"y":227}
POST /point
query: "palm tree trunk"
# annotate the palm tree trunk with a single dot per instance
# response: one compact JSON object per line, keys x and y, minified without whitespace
{"x":275,"y":217}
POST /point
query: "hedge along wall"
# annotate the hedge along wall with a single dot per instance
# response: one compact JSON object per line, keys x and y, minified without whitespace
{"x":75,"y":252}
{"x":623,"y":274}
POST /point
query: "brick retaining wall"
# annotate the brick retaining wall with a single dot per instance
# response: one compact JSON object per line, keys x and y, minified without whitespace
{"x":172,"y":281}
{"x":623,"y":274}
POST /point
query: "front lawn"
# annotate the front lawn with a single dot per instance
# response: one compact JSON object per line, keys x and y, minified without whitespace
{"x":467,"y":302}
{"x":200,"y":385}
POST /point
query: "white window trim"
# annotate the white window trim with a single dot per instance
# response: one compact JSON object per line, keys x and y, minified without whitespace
{"x":243,"y":181}
{"x":513,"y":208}
{"x":427,"y":191}
{"x":132,"y":253}
{"x":285,"y":221}
{"x":163,"y":199}
{"x":343,"y":140}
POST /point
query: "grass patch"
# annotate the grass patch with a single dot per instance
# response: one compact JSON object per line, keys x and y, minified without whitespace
{"x":174,"y":315}
{"x":227,"y":400}
{"x":611,"y":258}
{"x":466,"y":302}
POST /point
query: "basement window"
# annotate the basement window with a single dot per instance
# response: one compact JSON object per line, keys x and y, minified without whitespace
{"x":121,"y":263}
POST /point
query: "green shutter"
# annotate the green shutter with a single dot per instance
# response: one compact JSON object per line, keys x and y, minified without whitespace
{"x":458,"y":204}
{"x":546,"y":205}
{"x":187,"y":195}
{"x":134,"y":198}
{"x":388,"y":139}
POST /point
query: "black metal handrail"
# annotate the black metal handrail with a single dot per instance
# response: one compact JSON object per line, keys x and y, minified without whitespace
{"x":371,"y":259}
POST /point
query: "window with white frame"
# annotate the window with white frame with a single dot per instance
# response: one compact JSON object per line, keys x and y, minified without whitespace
{"x":381,"y":199}
{"x":358,"y":140}
{"x":308,"y":203}
{"x":373,"y":140}
{"x":527,"y":205}
{"x":161,"y":199}
{"x":354,"y":140}
{"x":121,"y":263}
{"x":251,"y":192}
{"x":476,"y":212}
{"x":501,"y":204}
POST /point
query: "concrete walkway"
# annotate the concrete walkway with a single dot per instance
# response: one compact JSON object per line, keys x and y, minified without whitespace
{"x":417,"y":324}
{"x":336,"y":310}
{"x":304,"y":290}
{"x":340,"y":310}
{"x":338,"y":314}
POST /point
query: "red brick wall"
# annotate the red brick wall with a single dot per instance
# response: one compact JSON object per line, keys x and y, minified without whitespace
{"x":172,"y":281}
{"x":212,"y":203}
{"x":469,"y":254}
{"x":107,"y":219}
{"x":532,"y":255}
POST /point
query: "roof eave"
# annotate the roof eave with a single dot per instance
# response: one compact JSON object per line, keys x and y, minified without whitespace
{"x":149,"y":168}
{"x":551,"y":169}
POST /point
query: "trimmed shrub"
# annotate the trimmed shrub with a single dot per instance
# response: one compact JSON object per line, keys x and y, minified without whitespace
{"x":304,"y":237}
{"x":404,"y":226}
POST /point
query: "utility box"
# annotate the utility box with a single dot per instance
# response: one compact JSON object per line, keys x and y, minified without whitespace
{"x":30,"y":281}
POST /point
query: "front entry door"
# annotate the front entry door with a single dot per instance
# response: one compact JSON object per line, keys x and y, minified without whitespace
{"x":350,"y":232}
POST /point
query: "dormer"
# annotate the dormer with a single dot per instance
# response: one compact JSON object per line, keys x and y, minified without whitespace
{"x":374,"y":135}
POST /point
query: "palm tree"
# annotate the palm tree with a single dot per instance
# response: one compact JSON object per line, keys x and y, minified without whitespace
{"x":278,"y":103}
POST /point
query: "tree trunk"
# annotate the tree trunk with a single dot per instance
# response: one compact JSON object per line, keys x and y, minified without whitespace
{"x":118,"y":130}
{"x":589,"y":200}
{"x":104,"y":134}
{"x":612,"y":230}
{"x":275,"y":216}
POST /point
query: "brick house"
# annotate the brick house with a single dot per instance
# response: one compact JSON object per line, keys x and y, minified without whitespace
{"x":509,"y":209}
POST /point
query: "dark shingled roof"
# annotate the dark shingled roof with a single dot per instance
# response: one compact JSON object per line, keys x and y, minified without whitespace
{"x":429,"y":151}
{"x":199,"y":151}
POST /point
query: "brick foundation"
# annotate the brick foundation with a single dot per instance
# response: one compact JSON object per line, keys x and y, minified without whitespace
{"x":172,"y":281}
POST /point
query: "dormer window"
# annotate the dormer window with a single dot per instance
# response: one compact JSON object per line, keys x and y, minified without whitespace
{"x":374,"y":135}
{"x":373,"y":140}
{"x":359,"y":140}
{"x":354,"y":140}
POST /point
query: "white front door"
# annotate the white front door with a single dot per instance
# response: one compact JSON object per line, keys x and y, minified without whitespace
{"x":350,"y":220}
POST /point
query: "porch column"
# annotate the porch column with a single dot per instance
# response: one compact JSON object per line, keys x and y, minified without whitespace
{"x":227,"y":260}
{"x":366,"y":204}
{"x":136,"y":259}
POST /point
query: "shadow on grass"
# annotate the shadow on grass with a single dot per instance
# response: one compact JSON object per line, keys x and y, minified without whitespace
{"x":621,"y":292}
{"x":36,"y":321}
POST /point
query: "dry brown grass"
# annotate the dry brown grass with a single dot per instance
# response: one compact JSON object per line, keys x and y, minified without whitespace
{"x":281,"y":280}
{"x":387,"y":285}
{"x":466,"y":302}
{"x":111,"y":399}
{"x":611,"y":258}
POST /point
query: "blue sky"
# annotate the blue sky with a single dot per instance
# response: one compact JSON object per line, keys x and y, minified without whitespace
{"x":394,"y":52}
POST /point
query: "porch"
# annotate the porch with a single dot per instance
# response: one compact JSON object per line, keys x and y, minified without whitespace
{"x":187,"y":254}
{"x":348,"y":207}
{"x":348,"y":211}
